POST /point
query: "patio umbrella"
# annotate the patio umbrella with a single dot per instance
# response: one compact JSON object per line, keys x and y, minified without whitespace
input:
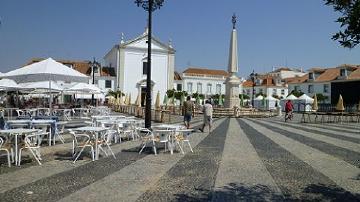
{"x":126,"y":99}
{"x":242,"y":100}
{"x":83,"y":88}
{"x":42,"y":86}
{"x":46,"y":70}
{"x":157,"y":101}
{"x":173,"y":99}
{"x":182,"y":98}
{"x":166,"y":99}
{"x":121,"y":100}
{"x":263,"y":102}
{"x":138,"y":100}
{"x":129,"y":99}
{"x":315,"y":106}
{"x":340,"y":104}
{"x":221,"y":100}
{"x":9,"y":84}
{"x":197,"y":100}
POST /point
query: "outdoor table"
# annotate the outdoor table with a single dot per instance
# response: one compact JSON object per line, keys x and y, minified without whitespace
{"x":16,"y":132}
{"x":52,"y":128}
{"x":30,"y":123}
{"x":96,"y":131}
{"x":9,"y":112}
{"x":173,"y":128}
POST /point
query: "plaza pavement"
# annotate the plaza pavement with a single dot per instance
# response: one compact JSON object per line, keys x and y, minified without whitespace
{"x":240,"y":160}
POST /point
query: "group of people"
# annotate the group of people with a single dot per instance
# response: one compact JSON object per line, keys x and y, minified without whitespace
{"x":188,"y":110}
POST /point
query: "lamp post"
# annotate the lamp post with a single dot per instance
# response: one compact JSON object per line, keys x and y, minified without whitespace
{"x":253,"y":76}
{"x":149,"y":6}
{"x":93,"y":65}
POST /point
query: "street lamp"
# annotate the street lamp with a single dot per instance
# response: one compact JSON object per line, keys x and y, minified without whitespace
{"x":253,"y":75}
{"x":94,"y":64}
{"x":149,"y":6}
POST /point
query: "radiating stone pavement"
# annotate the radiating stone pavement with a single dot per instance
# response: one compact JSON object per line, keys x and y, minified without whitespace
{"x":240,"y":160}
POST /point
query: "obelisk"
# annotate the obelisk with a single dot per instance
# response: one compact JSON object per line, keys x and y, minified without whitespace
{"x":232,"y":82}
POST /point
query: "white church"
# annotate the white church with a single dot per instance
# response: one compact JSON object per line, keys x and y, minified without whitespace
{"x":129,"y":58}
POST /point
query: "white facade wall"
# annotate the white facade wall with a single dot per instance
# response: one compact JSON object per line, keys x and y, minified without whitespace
{"x":289,"y":74}
{"x":317,"y":88}
{"x":101,"y":84}
{"x":266,"y":90}
{"x":204,"y":81}
{"x":135,"y":79}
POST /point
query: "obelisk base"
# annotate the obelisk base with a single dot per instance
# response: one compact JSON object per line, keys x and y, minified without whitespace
{"x":232,"y":99}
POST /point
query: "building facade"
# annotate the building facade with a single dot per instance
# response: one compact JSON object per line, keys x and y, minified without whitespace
{"x":129,"y":58}
{"x":204,"y":81}
{"x":273,"y":83}
{"x":330,"y":82}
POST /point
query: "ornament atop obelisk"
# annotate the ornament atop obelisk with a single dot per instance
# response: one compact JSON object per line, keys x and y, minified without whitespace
{"x":232,"y":82}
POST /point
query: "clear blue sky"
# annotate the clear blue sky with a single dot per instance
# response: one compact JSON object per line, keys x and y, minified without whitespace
{"x":270,"y":32}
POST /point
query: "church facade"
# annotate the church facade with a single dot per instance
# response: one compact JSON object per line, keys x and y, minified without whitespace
{"x":129,"y":58}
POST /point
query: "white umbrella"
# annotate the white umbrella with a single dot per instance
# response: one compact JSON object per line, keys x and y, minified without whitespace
{"x":9,"y":84}
{"x":83,"y":88}
{"x":46,"y":70}
{"x":42,"y":86}
{"x":291,"y":97}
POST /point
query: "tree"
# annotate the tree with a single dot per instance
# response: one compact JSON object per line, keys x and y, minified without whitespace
{"x":296,"y":93}
{"x":245,"y":97}
{"x":115,"y":93}
{"x":349,"y":21}
{"x":320,"y":97}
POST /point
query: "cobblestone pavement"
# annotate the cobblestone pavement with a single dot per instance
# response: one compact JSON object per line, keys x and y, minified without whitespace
{"x":239,"y":160}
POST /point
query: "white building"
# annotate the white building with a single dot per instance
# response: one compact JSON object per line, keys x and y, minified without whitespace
{"x":272,"y":83}
{"x":321,"y":81}
{"x":130,"y":61}
{"x":204,"y":81}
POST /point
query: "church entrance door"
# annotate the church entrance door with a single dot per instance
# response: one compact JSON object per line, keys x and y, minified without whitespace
{"x":143,"y":96}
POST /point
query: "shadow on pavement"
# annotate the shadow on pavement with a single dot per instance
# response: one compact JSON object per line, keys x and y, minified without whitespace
{"x":240,"y":192}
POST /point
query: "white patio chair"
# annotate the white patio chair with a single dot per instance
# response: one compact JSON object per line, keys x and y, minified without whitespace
{"x":106,"y":138}
{"x":82,"y":141}
{"x":128,"y":130}
{"x":8,"y":149}
{"x":163,"y":136}
{"x":146,"y":137}
{"x":20,"y":113}
{"x":183,"y":136}
{"x":31,"y":143}
{"x":60,"y":131}
{"x":44,"y":135}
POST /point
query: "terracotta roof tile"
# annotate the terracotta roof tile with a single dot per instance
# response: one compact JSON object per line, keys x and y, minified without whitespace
{"x":247,"y":83}
{"x":268,"y":81}
{"x":328,"y":75}
{"x":355,"y":74}
{"x":297,"y":79}
{"x":177,"y":76}
{"x":201,"y":71}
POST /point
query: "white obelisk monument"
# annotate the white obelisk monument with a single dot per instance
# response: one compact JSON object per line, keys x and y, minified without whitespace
{"x":232,"y":83}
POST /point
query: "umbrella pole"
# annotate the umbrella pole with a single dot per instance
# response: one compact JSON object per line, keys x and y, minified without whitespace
{"x":50,"y":101}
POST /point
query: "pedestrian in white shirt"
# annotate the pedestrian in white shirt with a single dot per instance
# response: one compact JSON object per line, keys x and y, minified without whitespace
{"x":208,"y":113}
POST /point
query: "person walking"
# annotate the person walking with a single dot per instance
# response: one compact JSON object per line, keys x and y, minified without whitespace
{"x":208,"y":113}
{"x":288,"y":110}
{"x":188,"y":110}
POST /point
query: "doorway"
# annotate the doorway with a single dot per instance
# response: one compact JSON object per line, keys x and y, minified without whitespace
{"x":143,"y":96}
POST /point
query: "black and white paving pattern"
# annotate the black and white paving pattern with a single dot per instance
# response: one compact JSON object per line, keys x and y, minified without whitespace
{"x":239,"y":160}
